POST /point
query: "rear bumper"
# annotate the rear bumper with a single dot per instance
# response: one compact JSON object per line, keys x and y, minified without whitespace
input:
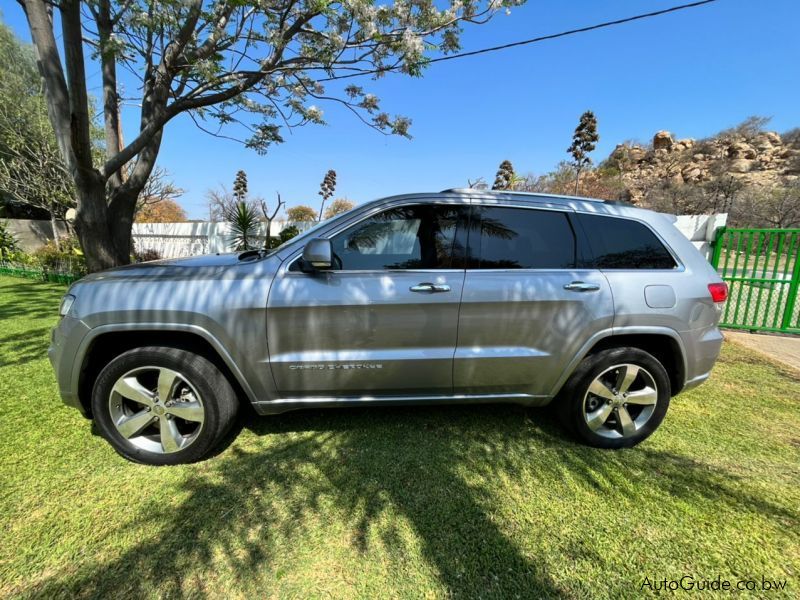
{"x":65,"y":340}
{"x":702,"y":347}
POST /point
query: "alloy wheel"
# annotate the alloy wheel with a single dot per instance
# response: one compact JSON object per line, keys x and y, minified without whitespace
{"x":620,"y":401}
{"x":156,"y":409}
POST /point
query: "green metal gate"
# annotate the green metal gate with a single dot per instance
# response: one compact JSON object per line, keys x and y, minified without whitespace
{"x":762,"y":270}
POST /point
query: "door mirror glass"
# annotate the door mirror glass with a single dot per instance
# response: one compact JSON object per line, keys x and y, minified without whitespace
{"x":318,"y":254}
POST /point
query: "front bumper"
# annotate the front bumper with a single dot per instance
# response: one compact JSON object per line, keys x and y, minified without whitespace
{"x":65,"y":341}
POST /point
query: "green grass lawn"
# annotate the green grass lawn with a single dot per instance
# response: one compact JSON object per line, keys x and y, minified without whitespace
{"x":403,"y":503}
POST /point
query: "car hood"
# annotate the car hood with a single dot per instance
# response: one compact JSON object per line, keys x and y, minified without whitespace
{"x":206,"y":265}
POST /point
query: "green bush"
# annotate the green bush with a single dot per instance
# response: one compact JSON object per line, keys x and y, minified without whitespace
{"x":67,"y":259}
{"x":288,"y":233}
{"x":8,"y":241}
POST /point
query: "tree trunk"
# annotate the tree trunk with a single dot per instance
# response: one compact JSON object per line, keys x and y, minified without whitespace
{"x":577,"y":179}
{"x":54,"y":225}
{"x":96,"y":230}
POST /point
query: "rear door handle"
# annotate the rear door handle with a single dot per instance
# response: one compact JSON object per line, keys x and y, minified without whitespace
{"x":430,"y":288}
{"x":580,"y":286}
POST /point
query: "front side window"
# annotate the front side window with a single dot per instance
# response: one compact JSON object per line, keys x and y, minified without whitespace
{"x":406,"y":237}
{"x":520,"y":238}
{"x":624,"y":244}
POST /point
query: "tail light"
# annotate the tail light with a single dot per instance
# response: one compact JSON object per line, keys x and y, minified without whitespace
{"x":718,"y":291}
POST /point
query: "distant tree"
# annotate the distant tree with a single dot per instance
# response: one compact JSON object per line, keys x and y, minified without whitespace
{"x":750,"y":127}
{"x":337,"y":207}
{"x":219,"y":199}
{"x":269,"y":217}
{"x":326,"y":189}
{"x":301,"y":214}
{"x":775,"y":207}
{"x":477,"y":184}
{"x":584,"y":141}
{"x":243,"y":220}
{"x":32,"y":172}
{"x":240,"y":186}
{"x":505,"y":176}
{"x":163,"y":211}
{"x":158,"y":188}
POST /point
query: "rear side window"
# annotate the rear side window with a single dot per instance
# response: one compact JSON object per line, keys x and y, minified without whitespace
{"x":519,"y":238}
{"x":624,"y":244}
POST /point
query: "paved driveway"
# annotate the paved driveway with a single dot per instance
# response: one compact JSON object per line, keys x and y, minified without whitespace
{"x":784,"y":349}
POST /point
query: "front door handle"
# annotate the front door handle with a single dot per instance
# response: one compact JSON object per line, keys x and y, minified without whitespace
{"x":580,"y":286}
{"x":430,"y":288}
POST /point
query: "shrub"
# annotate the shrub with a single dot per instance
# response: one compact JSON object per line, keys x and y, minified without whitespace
{"x":8,"y":242}
{"x":67,"y":259}
{"x":288,"y":233}
{"x":146,"y":254}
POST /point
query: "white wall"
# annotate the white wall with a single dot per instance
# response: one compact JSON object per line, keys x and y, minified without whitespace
{"x":173,"y":240}
{"x":701,"y":229}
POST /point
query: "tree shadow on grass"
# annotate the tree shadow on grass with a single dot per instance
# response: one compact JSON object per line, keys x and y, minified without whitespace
{"x":31,"y":299}
{"x":19,"y":348}
{"x":410,"y":461}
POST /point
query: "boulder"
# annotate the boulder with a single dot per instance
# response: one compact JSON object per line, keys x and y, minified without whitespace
{"x":662,"y":140}
{"x":740,"y":165}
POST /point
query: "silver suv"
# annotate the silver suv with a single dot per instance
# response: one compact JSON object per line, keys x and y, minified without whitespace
{"x":456,"y":297}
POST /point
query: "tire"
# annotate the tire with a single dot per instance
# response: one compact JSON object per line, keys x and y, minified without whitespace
{"x":591,"y":410}
{"x":163,"y":406}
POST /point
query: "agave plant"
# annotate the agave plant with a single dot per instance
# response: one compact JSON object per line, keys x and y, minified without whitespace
{"x":243,"y":219}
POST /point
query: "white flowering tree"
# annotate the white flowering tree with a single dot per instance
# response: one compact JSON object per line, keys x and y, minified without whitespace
{"x":254,"y":65}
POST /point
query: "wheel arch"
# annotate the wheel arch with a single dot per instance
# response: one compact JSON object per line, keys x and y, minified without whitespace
{"x":663,"y":343}
{"x":109,"y":342}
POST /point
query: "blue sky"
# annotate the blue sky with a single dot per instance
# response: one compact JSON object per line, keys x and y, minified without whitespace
{"x":693,"y":72}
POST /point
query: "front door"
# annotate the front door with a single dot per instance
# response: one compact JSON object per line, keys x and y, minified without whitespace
{"x":527,"y":306}
{"x":383,"y":322}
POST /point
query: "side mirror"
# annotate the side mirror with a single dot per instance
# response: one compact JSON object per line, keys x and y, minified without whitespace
{"x":318,"y":253}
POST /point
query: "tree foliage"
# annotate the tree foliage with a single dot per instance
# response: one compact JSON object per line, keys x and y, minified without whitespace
{"x":32,"y":172}
{"x":240,"y":186}
{"x":505,"y":176}
{"x":337,"y":207}
{"x":326,"y":189}
{"x":164,"y":211}
{"x":261,"y":66}
{"x":301,"y":213}
{"x":584,"y":141}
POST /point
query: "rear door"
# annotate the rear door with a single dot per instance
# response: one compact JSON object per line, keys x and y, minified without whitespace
{"x":528,"y":305}
{"x":384,"y":321}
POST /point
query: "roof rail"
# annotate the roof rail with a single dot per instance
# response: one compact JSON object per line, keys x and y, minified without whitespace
{"x":524,"y":194}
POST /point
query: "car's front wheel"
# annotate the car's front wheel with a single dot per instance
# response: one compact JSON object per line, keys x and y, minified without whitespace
{"x":163,"y":406}
{"x":616,"y":398}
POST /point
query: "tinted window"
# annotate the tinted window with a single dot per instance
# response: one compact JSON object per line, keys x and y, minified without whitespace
{"x":624,"y":244}
{"x":406,"y":237}
{"x":519,"y":238}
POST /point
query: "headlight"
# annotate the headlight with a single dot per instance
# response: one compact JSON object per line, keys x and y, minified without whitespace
{"x":66,"y":304}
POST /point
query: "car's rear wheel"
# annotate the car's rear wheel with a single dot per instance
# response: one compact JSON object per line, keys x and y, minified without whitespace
{"x":616,"y":398}
{"x":163,"y":406}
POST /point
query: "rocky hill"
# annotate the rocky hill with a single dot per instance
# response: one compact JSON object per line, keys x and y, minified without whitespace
{"x":744,"y":155}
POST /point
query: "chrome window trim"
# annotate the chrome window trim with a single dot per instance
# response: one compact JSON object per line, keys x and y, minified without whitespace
{"x":679,"y":268}
{"x":287,"y":264}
